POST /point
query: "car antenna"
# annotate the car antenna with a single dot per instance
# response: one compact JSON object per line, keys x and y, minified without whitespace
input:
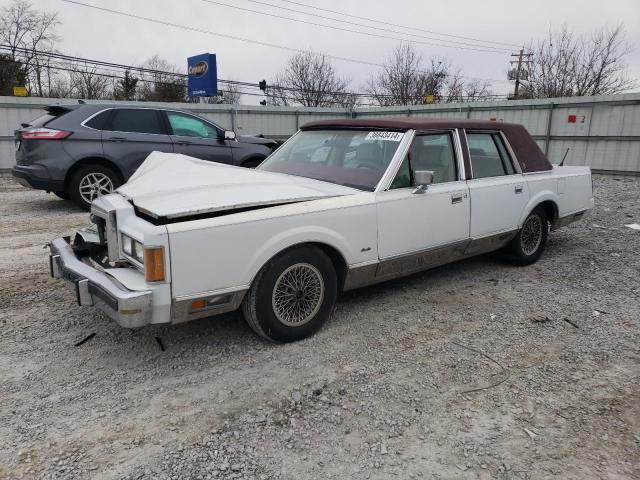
{"x":565,"y":156}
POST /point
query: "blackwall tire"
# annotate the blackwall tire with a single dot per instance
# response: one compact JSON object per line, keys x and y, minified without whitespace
{"x":292,"y":296}
{"x":529,"y":243}
{"x":91,"y":181}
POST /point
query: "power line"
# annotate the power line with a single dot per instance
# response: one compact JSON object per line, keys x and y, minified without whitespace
{"x":242,"y":39}
{"x":369,"y":19}
{"x":117,"y":68}
{"x":462,"y":45}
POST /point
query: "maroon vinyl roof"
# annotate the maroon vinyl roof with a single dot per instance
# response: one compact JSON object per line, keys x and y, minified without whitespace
{"x":527,"y":152}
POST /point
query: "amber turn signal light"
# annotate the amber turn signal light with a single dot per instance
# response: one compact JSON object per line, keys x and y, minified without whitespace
{"x":154,"y":264}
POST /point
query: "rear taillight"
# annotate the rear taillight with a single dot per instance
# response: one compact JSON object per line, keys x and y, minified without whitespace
{"x":44,"y":134}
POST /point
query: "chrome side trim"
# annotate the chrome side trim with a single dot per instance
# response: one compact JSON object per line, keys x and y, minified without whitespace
{"x":406,"y":264}
{"x":221,"y":302}
{"x":422,"y":260}
{"x":478,"y":246}
{"x":567,"y":219}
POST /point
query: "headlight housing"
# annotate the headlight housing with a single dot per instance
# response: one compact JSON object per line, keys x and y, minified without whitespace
{"x":133,"y":248}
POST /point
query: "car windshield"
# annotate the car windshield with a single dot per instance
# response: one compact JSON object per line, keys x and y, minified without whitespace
{"x":354,"y":158}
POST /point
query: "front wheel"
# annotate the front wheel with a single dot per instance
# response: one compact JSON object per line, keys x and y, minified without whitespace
{"x":292,"y":296}
{"x":529,"y":244}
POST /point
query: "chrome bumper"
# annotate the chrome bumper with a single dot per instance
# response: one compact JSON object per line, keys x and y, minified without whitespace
{"x":128,"y":308}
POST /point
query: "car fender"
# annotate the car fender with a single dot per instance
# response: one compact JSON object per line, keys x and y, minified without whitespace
{"x":537,"y":199}
{"x":293,"y":237}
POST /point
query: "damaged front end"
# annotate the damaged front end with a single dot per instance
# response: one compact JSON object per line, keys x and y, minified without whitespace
{"x":101,"y":273}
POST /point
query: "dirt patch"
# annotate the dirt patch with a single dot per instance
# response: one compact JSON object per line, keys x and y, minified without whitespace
{"x":378,"y":393}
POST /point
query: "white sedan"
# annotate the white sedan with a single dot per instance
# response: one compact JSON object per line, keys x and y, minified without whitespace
{"x":340,"y":205}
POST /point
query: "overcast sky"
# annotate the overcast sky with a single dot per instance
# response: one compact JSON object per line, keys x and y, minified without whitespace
{"x":106,"y":36}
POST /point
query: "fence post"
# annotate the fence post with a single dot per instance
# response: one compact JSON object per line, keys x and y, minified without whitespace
{"x":548,"y":134}
{"x":232,"y":111}
{"x":297,"y":120}
{"x":469,"y":111}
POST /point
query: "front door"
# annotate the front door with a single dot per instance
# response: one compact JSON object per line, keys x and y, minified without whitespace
{"x":196,"y":138}
{"x":421,"y":230}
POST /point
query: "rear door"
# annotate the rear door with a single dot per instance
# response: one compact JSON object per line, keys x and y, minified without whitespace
{"x":131,"y":134}
{"x":194,"y":137}
{"x":498,"y":191}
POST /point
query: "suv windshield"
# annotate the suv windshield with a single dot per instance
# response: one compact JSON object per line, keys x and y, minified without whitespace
{"x":355,"y":158}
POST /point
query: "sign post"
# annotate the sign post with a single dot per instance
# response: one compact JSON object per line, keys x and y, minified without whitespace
{"x":203,"y":75}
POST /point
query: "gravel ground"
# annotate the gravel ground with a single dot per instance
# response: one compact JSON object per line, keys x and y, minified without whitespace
{"x":385,"y":390}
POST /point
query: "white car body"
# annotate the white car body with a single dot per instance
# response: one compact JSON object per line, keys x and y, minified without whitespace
{"x":219,"y":225}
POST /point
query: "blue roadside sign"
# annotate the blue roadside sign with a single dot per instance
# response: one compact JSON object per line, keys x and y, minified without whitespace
{"x":203,"y":75}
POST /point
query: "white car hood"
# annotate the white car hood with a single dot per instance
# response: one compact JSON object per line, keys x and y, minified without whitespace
{"x":171,"y":185}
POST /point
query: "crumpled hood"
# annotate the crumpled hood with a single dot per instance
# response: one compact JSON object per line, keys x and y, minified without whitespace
{"x":172,"y":185}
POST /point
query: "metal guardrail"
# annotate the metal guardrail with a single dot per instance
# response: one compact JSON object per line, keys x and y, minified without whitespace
{"x":602,"y":132}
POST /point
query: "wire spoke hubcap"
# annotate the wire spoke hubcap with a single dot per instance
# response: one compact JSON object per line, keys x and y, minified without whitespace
{"x":531,"y":235}
{"x":298,"y":294}
{"x":94,"y":185}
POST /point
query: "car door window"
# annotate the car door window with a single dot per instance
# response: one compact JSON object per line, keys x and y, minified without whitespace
{"x":489,"y":156}
{"x":433,"y":152}
{"x":135,"y":120}
{"x":188,"y":126}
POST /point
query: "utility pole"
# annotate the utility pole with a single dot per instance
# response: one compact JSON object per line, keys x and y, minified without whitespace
{"x":519,"y":73}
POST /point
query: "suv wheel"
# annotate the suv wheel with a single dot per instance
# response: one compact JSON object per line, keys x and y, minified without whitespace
{"x":292,"y":296}
{"x":90,"y":182}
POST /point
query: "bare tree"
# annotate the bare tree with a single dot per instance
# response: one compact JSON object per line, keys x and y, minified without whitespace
{"x":565,"y":64}
{"x":230,"y":95}
{"x":88,"y":83}
{"x":28,"y":32}
{"x":405,"y":81}
{"x":162,"y":85}
{"x":309,"y":80}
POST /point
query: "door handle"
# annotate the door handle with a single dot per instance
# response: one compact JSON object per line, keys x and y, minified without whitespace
{"x":518,"y":189}
{"x":456,"y":198}
{"x":116,"y":139}
{"x":184,"y":142}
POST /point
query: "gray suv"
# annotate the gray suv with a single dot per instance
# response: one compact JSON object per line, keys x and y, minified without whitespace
{"x":80,"y":152}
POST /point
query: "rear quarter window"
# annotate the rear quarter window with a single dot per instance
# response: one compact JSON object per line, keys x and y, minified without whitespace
{"x":98,"y":121}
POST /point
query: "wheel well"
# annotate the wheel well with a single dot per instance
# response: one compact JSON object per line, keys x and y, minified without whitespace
{"x":91,"y":161}
{"x":551,"y":209}
{"x":255,"y":158}
{"x":338,"y":261}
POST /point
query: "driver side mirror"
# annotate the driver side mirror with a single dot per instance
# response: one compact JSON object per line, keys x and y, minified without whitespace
{"x":422,"y":179}
{"x":229,"y":135}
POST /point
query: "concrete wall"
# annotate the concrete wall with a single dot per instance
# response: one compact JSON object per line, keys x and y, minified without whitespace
{"x":602,"y":132}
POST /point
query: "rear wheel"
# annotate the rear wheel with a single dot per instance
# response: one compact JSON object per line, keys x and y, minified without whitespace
{"x":529,"y":244}
{"x":292,"y":296}
{"x":90,"y":182}
{"x":62,"y":195}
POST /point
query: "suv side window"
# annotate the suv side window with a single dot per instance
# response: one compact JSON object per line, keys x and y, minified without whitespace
{"x":99,"y":121}
{"x":188,"y":126}
{"x":489,"y":156}
{"x":432,"y":152}
{"x":135,"y":120}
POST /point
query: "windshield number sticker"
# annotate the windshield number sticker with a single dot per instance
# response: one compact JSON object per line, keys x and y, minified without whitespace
{"x":389,"y":136}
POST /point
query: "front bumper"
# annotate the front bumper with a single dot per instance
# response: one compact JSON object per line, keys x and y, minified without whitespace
{"x":32,"y":176}
{"x":130,"y":309}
